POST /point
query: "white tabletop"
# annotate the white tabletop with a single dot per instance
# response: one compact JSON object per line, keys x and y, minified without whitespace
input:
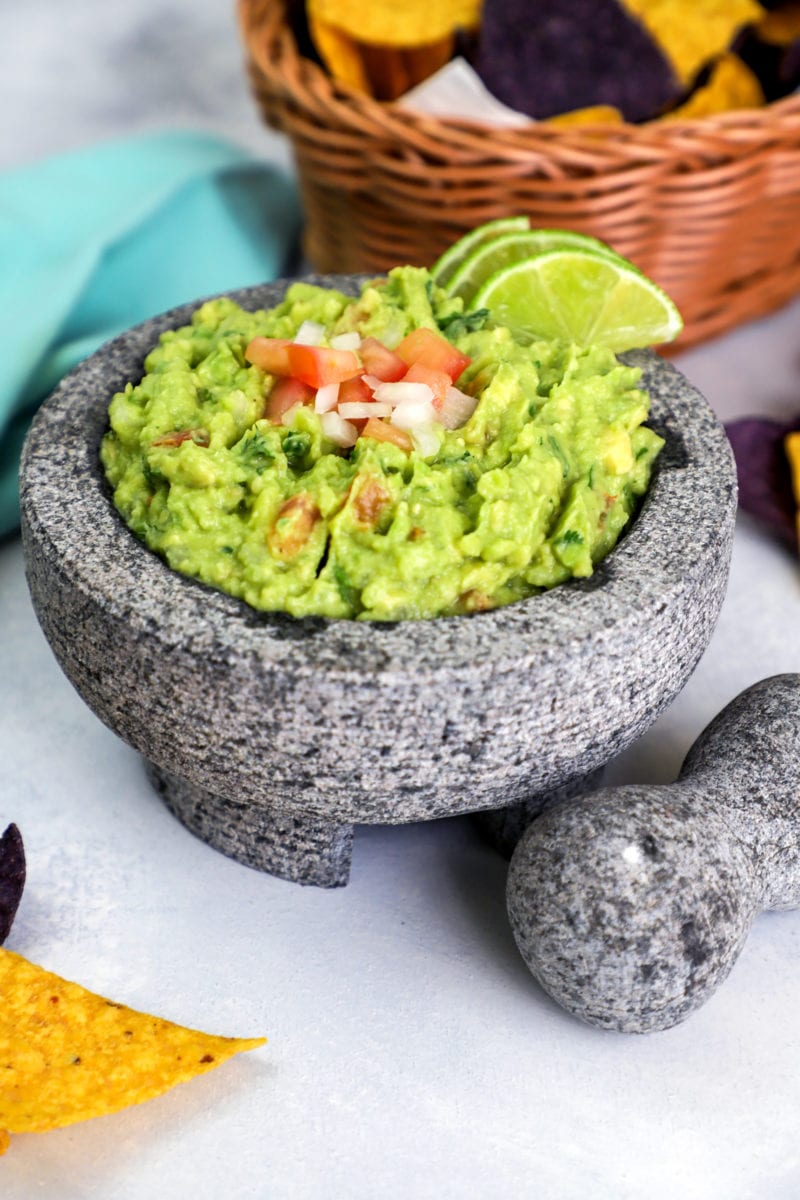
{"x":410,"y":1052}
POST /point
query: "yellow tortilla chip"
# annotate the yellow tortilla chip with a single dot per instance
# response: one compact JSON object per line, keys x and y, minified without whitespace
{"x":781,"y":26}
{"x":392,"y":72}
{"x":731,"y":85}
{"x":387,"y":23}
{"x":68,"y":1054}
{"x":598,"y":114}
{"x":340,"y":55}
{"x":792,"y":446}
{"x":693,"y":32}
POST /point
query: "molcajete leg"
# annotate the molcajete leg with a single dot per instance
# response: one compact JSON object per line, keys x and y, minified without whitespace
{"x":503,"y":827}
{"x":300,"y":849}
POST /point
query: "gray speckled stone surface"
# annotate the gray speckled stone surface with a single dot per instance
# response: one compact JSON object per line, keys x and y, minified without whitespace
{"x":631,"y":905}
{"x":343,"y":722}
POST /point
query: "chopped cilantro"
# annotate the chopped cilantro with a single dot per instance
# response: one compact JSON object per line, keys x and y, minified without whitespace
{"x":152,"y":477}
{"x":457,"y":324}
{"x":349,"y":594}
{"x":296,"y":446}
{"x":570,"y":537}
{"x":555,"y":446}
{"x":255,"y":452}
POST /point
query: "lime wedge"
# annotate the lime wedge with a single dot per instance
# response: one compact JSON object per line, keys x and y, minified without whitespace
{"x":582,"y":297}
{"x":453,"y":257}
{"x":500,"y":251}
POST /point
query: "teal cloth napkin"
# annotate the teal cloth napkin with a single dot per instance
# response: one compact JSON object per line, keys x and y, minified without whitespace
{"x":96,"y":240}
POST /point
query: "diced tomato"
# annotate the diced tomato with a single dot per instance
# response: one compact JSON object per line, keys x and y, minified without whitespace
{"x":355,"y":391}
{"x":320,"y":365}
{"x":432,"y":350}
{"x":380,"y":361}
{"x":270,"y":354}
{"x":293,"y":525}
{"x":437,"y":381}
{"x":284,"y":394}
{"x":369,"y":502}
{"x":382,"y":432}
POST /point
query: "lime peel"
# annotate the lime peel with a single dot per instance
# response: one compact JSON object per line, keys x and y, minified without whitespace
{"x":580,"y":296}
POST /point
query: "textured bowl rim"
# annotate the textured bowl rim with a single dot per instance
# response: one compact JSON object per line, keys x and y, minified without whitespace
{"x":657,"y":555}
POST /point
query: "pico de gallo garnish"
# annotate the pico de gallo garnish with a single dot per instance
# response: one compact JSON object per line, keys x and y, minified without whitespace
{"x":362,"y":388}
{"x":382,"y":456}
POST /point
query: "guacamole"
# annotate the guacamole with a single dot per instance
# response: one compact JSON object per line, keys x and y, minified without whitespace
{"x":534,"y":487}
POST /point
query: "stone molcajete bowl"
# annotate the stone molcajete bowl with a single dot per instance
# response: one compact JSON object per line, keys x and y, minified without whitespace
{"x":271,"y":737}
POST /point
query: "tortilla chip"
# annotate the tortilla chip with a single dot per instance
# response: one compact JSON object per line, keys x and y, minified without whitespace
{"x":424,"y":61}
{"x":731,"y":85}
{"x":387,"y":23}
{"x":69,"y":1054}
{"x":762,"y":468}
{"x":392,"y":72}
{"x":573,"y":56}
{"x":12,"y":878}
{"x":780,"y":27}
{"x":792,"y":447}
{"x":597,"y":114}
{"x":340,"y":54}
{"x":693,"y":32}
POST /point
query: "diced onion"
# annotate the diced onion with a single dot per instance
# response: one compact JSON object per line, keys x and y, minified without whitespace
{"x":402,"y":393}
{"x":362,"y":410}
{"x":346,"y":341}
{"x":287,"y":418}
{"x":372,"y":381}
{"x":457,"y":408}
{"x":339,"y":431}
{"x":426,"y":440}
{"x":411,"y":414}
{"x":310,"y":333}
{"x":326,"y":398}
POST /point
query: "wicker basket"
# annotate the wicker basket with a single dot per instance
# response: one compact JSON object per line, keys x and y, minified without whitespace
{"x":709,"y":208}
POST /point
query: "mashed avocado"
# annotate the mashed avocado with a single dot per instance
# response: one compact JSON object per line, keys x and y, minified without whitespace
{"x":535,"y":487}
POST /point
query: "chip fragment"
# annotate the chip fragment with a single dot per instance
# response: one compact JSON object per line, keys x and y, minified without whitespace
{"x":792,"y":446}
{"x":772,"y":49}
{"x":597,"y":114}
{"x":780,"y":27}
{"x":12,"y":878}
{"x":762,"y":467}
{"x":387,"y":23}
{"x":69,"y":1054}
{"x":693,"y":33}
{"x":731,"y":85}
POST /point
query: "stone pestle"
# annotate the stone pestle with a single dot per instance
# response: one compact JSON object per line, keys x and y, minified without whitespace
{"x":630,"y":905}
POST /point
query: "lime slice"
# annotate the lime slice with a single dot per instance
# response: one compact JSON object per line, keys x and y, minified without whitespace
{"x":582,"y":297}
{"x":491,"y":256}
{"x":453,"y":257}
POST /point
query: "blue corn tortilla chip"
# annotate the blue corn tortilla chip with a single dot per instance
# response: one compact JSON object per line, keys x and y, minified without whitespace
{"x":12,"y":878}
{"x":765,"y":479}
{"x":548,"y":58}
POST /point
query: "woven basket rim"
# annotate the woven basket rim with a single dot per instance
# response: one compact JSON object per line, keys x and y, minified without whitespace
{"x":307,"y":84}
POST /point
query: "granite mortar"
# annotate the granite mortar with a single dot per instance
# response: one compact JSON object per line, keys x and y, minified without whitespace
{"x":332,"y":723}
